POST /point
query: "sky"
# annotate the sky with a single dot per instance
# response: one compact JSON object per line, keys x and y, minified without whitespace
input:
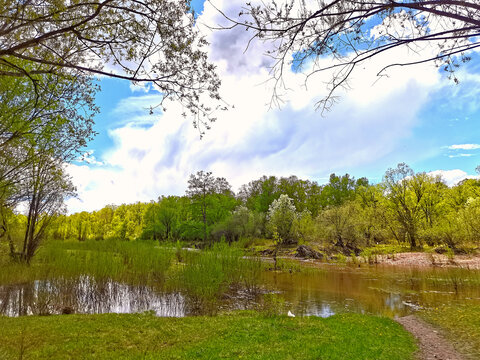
{"x":415,"y":115}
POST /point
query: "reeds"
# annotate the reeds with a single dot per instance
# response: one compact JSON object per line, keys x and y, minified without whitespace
{"x":203,"y":276}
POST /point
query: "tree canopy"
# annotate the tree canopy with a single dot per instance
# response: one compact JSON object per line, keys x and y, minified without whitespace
{"x":354,"y":31}
{"x":152,"y":41}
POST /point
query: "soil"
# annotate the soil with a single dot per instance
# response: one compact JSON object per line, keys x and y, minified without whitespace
{"x":431,"y":260}
{"x":433,"y":345}
{"x":417,"y":259}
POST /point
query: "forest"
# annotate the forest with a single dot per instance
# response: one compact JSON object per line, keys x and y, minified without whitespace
{"x":345,"y":215}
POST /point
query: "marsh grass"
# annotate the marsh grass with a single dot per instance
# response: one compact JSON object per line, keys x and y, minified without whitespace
{"x":203,"y":276}
{"x":206,"y":275}
{"x":132,"y":262}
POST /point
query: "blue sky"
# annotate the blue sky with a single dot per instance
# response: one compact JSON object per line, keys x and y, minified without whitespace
{"x":415,"y":116}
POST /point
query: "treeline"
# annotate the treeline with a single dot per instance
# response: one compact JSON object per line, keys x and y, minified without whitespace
{"x":346,"y":213}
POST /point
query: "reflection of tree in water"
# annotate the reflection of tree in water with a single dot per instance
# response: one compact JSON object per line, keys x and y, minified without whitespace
{"x":378,"y":291}
{"x":85,"y":295}
{"x":383,"y":291}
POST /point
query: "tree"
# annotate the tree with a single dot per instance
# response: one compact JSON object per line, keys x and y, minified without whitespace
{"x":46,"y":186}
{"x":167,"y":215}
{"x":45,"y":121}
{"x":143,"y":41}
{"x":281,"y":219}
{"x":338,"y":190}
{"x":200,"y":187}
{"x":406,"y":192}
{"x":53,"y":112}
{"x":352,"y":32}
{"x":339,"y":224}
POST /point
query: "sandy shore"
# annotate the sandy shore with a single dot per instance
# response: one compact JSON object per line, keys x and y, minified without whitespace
{"x":422,"y":259}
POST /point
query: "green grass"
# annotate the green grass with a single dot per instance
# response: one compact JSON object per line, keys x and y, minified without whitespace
{"x":205,"y":275}
{"x":236,"y":335}
{"x":202,"y":275}
{"x":461,"y":325}
{"x":133,"y":262}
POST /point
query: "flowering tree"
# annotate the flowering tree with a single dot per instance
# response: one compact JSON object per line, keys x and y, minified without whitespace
{"x":281,"y":219}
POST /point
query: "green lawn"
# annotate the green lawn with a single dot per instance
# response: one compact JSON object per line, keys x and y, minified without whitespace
{"x":461,"y":325}
{"x":236,"y":335}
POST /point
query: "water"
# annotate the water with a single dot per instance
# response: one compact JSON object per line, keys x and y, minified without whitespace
{"x":323,"y":292}
{"x":387,"y":291}
{"x":85,"y":295}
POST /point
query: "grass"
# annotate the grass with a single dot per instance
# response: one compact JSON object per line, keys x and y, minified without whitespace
{"x":461,"y":325}
{"x":206,"y":275}
{"x":133,"y":262}
{"x":236,"y":335}
{"x":202,"y":275}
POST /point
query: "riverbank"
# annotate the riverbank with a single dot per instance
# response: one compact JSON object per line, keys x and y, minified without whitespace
{"x":235,"y":335}
{"x":373,"y":256}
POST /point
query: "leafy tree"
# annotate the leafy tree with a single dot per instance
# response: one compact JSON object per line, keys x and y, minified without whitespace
{"x":352,"y":32}
{"x":201,"y":188}
{"x":46,"y":185}
{"x":374,"y":220}
{"x":338,"y":190}
{"x":144,"y":41}
{"x":241,"y":223}
{"x":168,"y":216}
{"x":470,"y":217}
{"x":259,"y":194}
{"x":48,"y":113}
{"x":339,"y":225}
{"x":46,"y":123}
{"x":412,"y":197}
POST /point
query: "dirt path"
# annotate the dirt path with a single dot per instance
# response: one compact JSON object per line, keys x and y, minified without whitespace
{"x":433,"y":346}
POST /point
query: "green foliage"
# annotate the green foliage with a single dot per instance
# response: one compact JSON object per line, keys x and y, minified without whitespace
{"x":340,"y":227}
{"x":346,"y":215}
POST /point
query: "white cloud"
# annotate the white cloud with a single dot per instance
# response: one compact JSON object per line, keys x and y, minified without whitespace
{"x":460,"y":155}
{"x":453,"y":177}
{"x":140,"y":87}
{"x":89,"y":158}
{"x":250,"y":140}
{"x":464,"y":147}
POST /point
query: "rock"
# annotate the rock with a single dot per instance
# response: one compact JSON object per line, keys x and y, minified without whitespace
{"x":307,"y":252}
{"x":440,"y":250}
{"x":68,"y":310}
{"x":266,"y":252}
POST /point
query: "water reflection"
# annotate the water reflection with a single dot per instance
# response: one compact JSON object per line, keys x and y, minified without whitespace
{"x":375,"y":290}
{"x":379,"y":290}
{"x":85,"y":295}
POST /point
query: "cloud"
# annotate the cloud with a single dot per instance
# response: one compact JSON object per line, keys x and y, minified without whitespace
{"x":464,"y":147}
{"x":140,"y":87}
{"x":460,"y":155}
{"x":370,"y":123}
{"x":453,"y":177}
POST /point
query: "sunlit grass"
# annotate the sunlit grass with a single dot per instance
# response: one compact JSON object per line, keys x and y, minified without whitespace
{"x":460,"y":323}
{"x":236,"y":335}
{"x":202,"y":275}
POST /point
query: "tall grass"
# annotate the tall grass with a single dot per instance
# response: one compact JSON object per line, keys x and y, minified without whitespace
{"x":203,"y":276}
{"x":207,"y":275}
{"x":132,"y":262}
